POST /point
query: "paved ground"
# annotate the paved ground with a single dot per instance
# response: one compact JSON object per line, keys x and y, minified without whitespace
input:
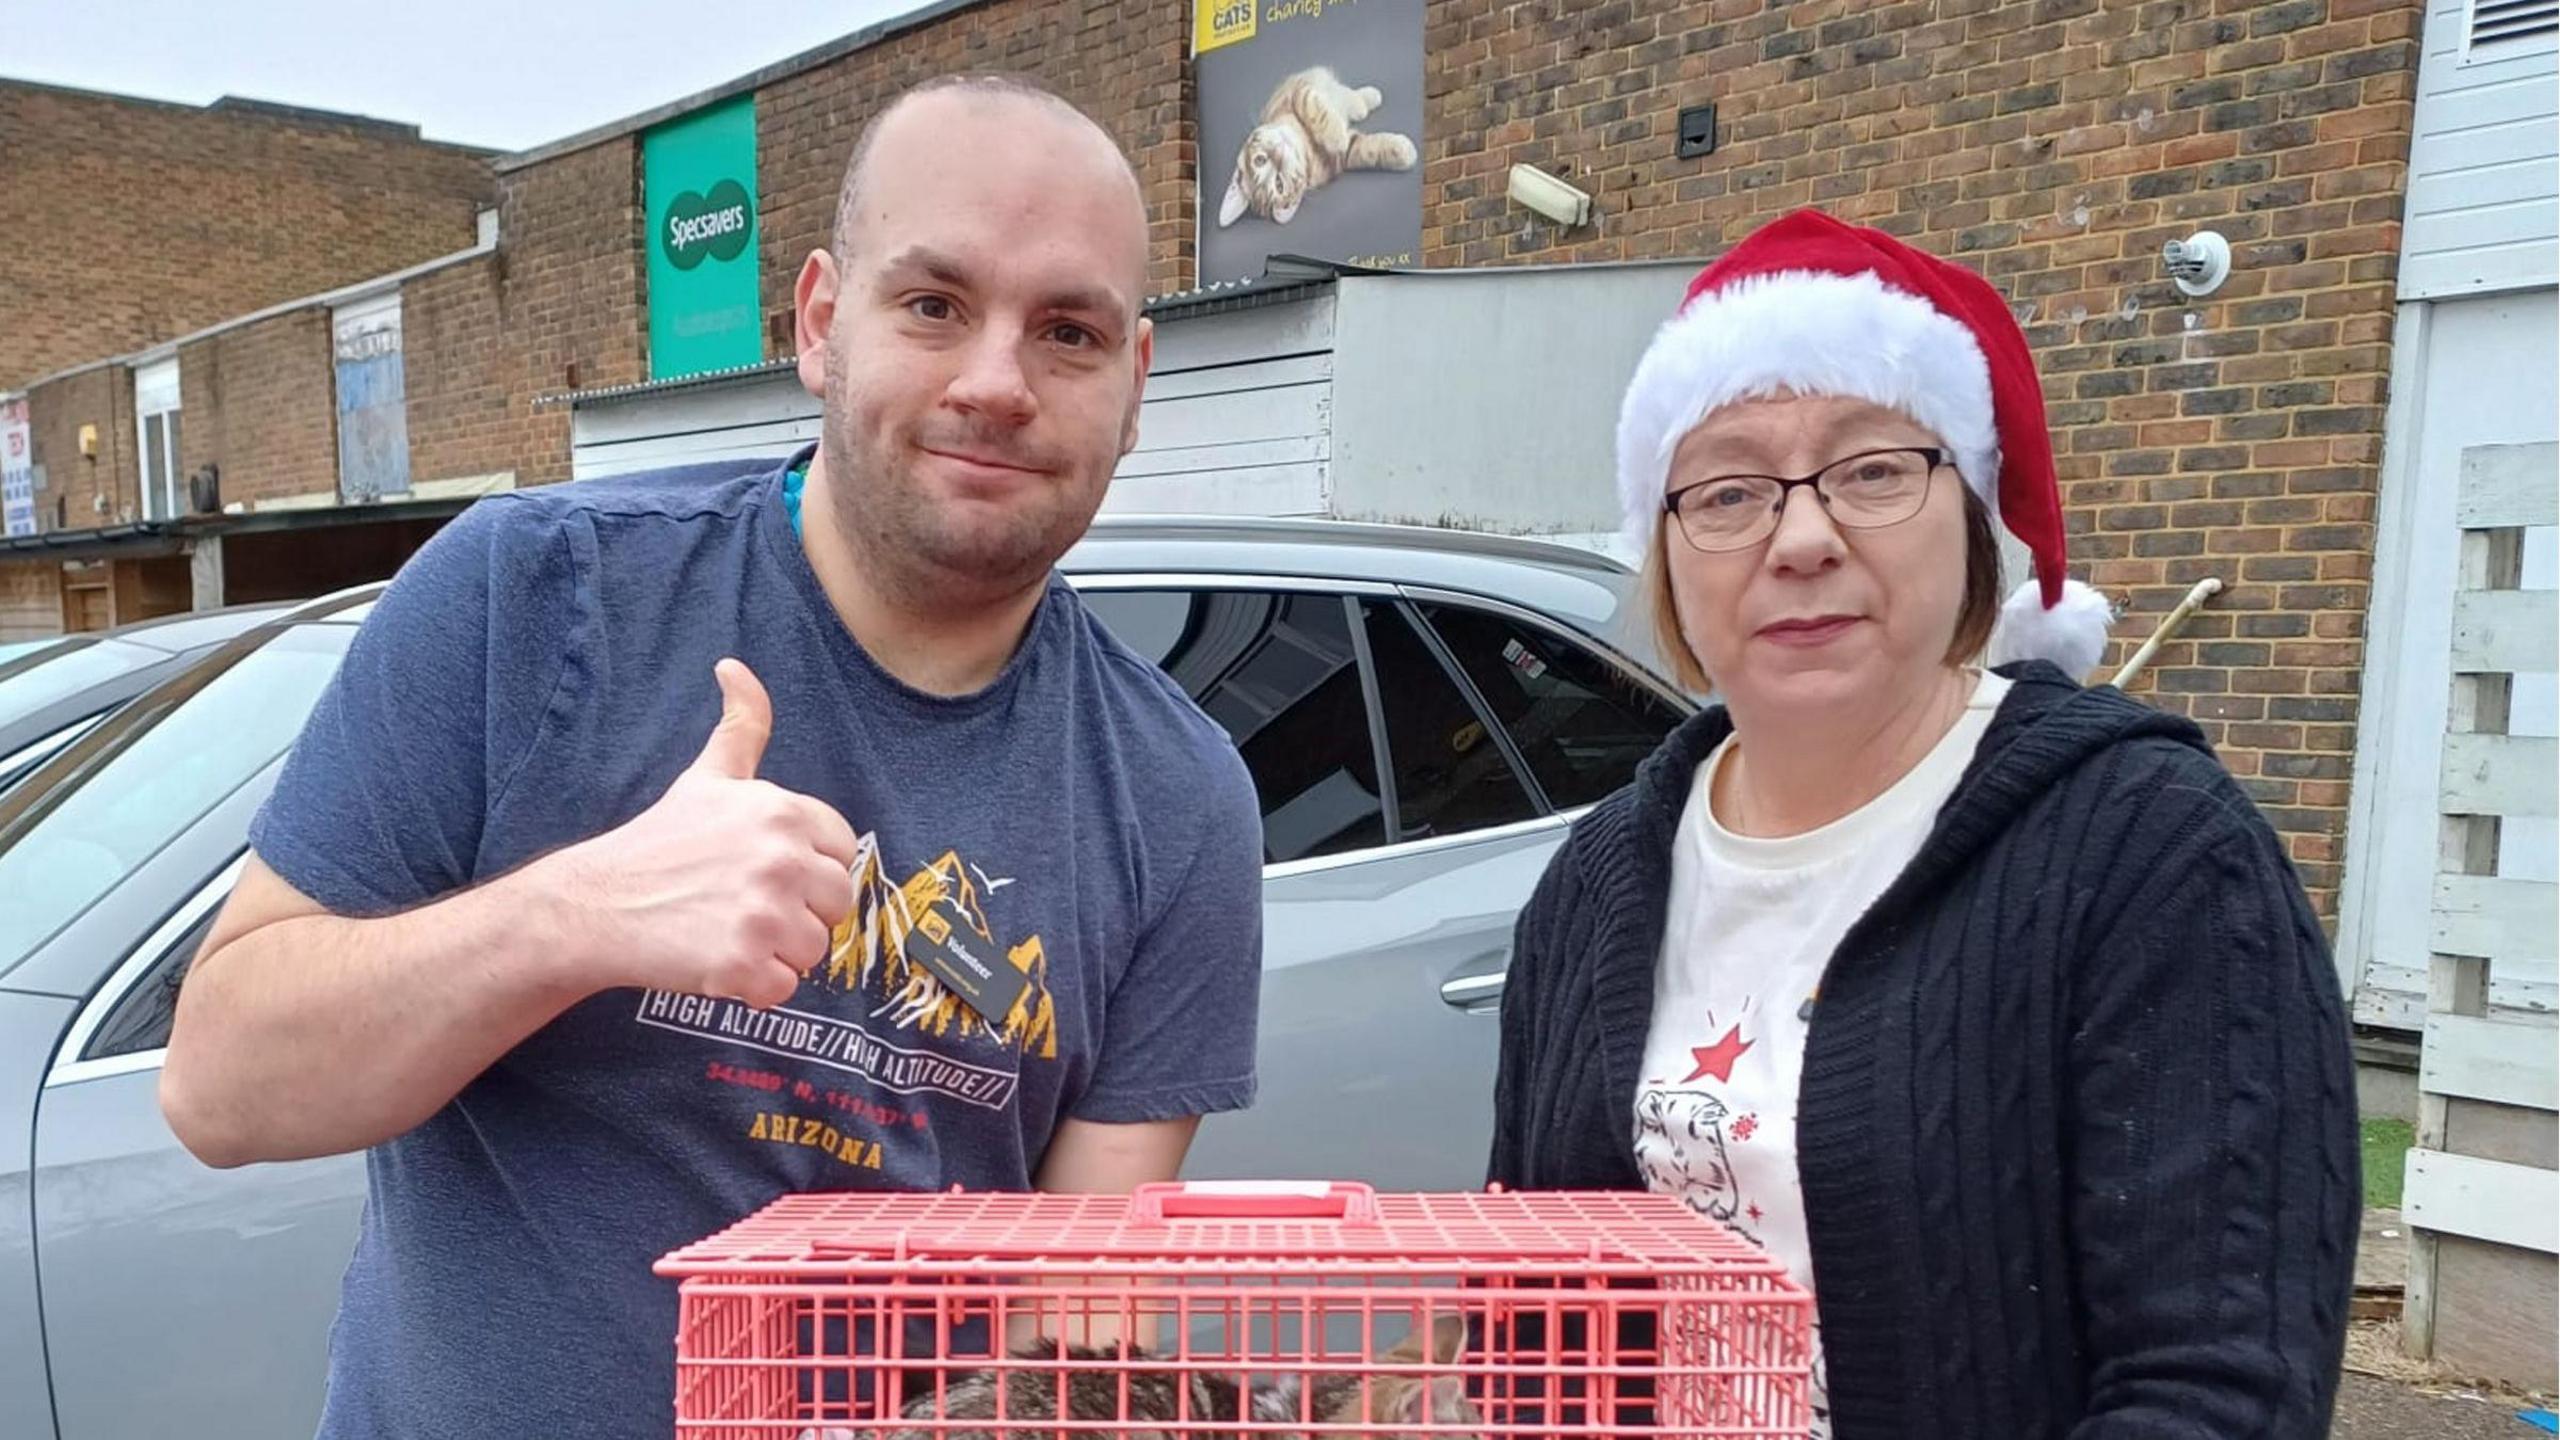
{"x":2376,"y":1409}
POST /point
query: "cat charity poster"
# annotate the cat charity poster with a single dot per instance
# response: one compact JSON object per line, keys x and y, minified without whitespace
{"x":1310,"y":132}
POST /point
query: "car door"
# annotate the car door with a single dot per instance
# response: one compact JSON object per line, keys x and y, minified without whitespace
{"x":171,"y":1290}
{"x":1401,"y":836}
{"x":174,"y":1299}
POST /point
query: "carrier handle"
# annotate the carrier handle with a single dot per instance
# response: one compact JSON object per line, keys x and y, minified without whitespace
{"x":1348,"y":1201}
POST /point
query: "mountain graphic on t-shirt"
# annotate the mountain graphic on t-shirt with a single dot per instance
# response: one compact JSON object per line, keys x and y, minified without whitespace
{"x":869,"y":955}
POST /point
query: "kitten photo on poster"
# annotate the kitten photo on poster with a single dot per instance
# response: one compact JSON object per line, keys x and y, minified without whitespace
{"x":1306,"y":137}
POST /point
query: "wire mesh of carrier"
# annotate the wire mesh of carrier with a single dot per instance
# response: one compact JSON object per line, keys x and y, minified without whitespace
{"x":1282,"y":1311}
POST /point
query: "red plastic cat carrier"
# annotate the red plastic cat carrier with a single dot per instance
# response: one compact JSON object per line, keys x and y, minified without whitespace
{"x":1277,"y":1310}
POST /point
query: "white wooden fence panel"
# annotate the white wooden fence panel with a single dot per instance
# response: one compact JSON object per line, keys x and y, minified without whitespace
{"x":2509,"y":1062}
{"x":2496,"y":919}
{"x":2509,"y":631}
{"x":2491,"y":1200}
{"x":2506,"y":485}
{"x":2501,"y":775}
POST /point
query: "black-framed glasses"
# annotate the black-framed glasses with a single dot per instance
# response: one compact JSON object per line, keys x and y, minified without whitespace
{"x":1865,"y":491}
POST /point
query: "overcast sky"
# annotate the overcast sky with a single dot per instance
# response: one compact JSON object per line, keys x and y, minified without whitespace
{"x":503,"y":73}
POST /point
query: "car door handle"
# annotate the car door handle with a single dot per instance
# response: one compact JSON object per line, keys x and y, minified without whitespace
{"x":1476,"y":984}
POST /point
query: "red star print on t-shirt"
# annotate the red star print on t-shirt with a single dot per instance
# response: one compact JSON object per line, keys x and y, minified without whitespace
{"x":1717,"y":1059}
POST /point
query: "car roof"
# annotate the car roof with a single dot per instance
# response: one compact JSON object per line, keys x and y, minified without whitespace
{"x":1351,"y":537}
{"x":169,"y":634}
{"x":143,"y":654}
{"x":1583,"y":588}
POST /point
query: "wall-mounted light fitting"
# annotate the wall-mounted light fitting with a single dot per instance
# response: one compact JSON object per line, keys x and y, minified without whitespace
{"x":1550,"y":196}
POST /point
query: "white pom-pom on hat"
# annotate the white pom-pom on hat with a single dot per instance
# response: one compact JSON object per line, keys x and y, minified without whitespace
{"x":2071,"y":633}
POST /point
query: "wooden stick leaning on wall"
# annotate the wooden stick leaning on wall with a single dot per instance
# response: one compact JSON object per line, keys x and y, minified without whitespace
{"x":2196,"y":596}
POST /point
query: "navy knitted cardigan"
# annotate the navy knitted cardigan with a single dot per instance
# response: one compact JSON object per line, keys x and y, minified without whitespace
{"x":2076,"y":1126}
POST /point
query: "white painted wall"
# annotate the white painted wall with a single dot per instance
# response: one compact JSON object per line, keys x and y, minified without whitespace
{"x":2483,"y":209}
{"x":1238,"y":418}
{"x":1488,"y":399}
{"x":2465,"y":373}
{"x":767,"y":416}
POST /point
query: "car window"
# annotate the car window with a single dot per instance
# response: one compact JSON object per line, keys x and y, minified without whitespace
{"x":164,"y":761}
{"x":1279,"y":672}
{"x":48,"y":678}
{"x":144,"y":1016}
{"x":1451,"y":775}
{"x":189,"y":629}
{"x":1581,"y":722}
{"x":18,"y":764}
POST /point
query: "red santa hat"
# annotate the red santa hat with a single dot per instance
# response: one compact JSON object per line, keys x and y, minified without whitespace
{"x":1807,"y":305}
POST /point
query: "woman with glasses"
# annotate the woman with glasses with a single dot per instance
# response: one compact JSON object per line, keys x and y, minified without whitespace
{"x":1985,"y":1004}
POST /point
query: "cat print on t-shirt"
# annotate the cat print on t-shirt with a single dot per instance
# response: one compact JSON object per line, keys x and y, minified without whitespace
{"x":1715,"y":1127}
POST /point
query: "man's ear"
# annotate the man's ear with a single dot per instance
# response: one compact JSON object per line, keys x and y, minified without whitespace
{"x":1145,"y":355}
{"x":813,"y":318}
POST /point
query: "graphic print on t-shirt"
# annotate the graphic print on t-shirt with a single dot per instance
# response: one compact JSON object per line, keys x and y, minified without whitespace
{"x":1680,"y":1142}
{"x":871,"y":954}
{"x":1718,"y":1059}
{"x":878,"y":963}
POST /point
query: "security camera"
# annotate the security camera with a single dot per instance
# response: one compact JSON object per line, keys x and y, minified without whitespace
{"x":1550,"y":196}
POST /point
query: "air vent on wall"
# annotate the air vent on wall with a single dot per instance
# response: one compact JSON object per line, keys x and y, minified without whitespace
{"x":2496,"y":21}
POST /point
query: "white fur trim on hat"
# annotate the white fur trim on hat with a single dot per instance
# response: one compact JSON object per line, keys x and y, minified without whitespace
{"x":1805,"y":333}
{"x":2072,"y":634}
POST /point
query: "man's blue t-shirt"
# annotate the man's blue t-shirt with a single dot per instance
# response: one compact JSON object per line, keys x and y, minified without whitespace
{"x":539,"y":674}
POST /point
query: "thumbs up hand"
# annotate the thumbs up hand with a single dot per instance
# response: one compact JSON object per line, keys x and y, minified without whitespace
{"x":728,"y":885}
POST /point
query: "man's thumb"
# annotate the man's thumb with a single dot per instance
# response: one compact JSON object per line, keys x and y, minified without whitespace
{"x":737,"y":743}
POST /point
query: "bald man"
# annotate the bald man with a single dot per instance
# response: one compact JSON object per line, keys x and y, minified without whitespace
{"x":672,"y":843}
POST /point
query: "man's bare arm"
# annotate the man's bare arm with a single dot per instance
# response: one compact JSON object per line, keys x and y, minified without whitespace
{"x":1090,"y":1158}
{"x":303,"y":1033}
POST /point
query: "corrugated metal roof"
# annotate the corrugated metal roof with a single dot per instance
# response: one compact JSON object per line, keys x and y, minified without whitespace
{"x":604,"y":394}
{"x":1283,"y":277}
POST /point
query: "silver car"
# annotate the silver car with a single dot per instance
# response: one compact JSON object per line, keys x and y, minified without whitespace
{"x":51,"y":689}
{"x":1423,"y":711}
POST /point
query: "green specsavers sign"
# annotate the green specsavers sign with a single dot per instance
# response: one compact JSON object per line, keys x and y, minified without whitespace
{"x":699,"y":176}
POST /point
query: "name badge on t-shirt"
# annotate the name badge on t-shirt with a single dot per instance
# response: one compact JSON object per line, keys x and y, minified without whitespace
{"x":967,"y":965}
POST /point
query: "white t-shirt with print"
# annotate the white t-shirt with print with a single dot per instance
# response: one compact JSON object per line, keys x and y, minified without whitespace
{"x":1750,"y":926}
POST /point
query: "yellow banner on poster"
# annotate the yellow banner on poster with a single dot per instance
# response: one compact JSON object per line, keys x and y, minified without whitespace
{"x":1220,"y":22}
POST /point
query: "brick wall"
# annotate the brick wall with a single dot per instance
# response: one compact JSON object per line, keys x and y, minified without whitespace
{"x":133,"y":222}
{"x":1126,"y":63}
{"x":462,"y":419}
{"x":55,"y":412}
{"x":259,"y":402}
{"x":2054,"y":145}
{"x":569,"y":311}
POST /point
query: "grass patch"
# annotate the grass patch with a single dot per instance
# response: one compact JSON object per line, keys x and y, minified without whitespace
{"x":2386,"y":1146}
